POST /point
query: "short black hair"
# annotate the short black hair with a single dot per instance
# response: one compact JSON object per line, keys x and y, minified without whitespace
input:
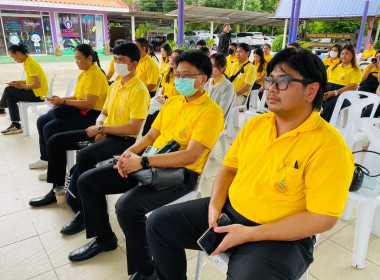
{"x":201,"y":43}
{"x":308,"y":65}
{"x":198,"y":59}
{"x":267,"y":45}
{"x":205,"y":50}
{"x":294,"y":44}
{"x":234,"y":45}
{"x":245,"y":47}
{"x":128,"y":49}
{"x":144,"y":43}
{"x":20,"y":47}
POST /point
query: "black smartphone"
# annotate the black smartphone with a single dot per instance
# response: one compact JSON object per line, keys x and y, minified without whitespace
{"x":210,"y":240}
{"x":374,"y":59}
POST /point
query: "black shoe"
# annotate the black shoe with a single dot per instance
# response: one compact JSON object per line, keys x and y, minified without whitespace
{"x":13,"y":129}
{"x":77,"y":224}
{"x":91,"y":249}
{"x":139,"y":276}
{"x":49,"y":198}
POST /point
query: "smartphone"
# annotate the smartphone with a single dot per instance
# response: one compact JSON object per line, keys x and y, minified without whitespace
{"x":210,"y":240}
{"x":374,"y":59}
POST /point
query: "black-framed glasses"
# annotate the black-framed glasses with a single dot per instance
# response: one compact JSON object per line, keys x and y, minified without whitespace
{"x":186,"y":76}
{"x":282,"y":83}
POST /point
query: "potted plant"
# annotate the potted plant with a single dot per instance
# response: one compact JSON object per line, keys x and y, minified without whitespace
{"x":58,"y":50}
{"x":107,"y":48}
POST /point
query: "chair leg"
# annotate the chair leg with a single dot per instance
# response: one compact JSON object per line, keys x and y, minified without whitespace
{"x":235,"y":117}
{"x":24,"y":118}
{"x":347,"y":213}
{"x":376,"y":223}
{"x":223,"y":145}
{"x":362,"y":233}
{"x":230,"y":124}
{"x":198,"y":271}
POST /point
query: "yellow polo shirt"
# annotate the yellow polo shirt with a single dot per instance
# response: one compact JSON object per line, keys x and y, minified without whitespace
{"x":169,"y":88}
{"x":268,"y":187}
{"x":112,"y":66}
{"x":344,"y":76}
{"x":92,"y":82}
{"x":32,"y":68}
{"x":164,"y":67}
{"x":230,"y":60}
{"x":147,"y":71}
{"x":268,"y":57}
{"x":327,"y":61}
{"x":126,"y":102}
{"x":260,"y":74}
{"x":200,"y":120}
{"x":248,"y":77}
{"x":369,"y":53}
{"x":374,"y":70}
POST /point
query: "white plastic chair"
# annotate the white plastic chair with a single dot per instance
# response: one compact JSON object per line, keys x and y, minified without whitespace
{"x":221,"y":261}
{"x":354,"y":111}
{"x":234,"y":118}
{"x":254,"y":112}
{"x":23,"y":106}
{"x":221,"y":138}
{"x":363,"y":65}
{"x":367,"y":198}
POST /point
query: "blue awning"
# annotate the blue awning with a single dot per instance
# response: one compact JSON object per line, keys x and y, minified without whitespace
{"x":329,"y":9}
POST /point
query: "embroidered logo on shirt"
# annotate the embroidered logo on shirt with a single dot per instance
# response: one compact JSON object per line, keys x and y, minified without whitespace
{"x":342,"y":78}
{"x":281,"y":186}
{"x":121,"y":111}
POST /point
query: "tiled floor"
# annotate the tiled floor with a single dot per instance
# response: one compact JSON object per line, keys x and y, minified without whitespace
{"x":31,"y":246}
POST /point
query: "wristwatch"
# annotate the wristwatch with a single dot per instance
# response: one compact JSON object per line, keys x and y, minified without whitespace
{"x":145,"y":162}
{"x":100,"y":129}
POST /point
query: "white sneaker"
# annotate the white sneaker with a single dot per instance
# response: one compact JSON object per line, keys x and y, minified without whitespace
{"x":42,"y":176}
{"x":38,"y":164}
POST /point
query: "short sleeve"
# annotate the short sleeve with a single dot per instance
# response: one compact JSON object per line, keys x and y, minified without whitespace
{"x":93,"y":84}
{"x":356,"y":77}
{"x":157,"y":124}
{"x":32,"y":69}
{"x":112,"y":66}
{"x":209,"y":126}
{"x":152,"y":76}
{"x":250,"y":74}
{"x":231,"y":158}
{"x":139,"y":104}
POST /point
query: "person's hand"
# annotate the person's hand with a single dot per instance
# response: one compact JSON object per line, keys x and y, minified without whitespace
{"x":213,"y":215}
{"x":328,"y":95}
{"x":16,"y":84}
{"x":261,"y":89}
{"x":160,"y":99}
{"x":100,"y":137}
{"x":132,"y":163}
{"x":236,"y":235}
{"x":120,"y":161}
{"x":56,"y":100}
{"x":92,"y":131}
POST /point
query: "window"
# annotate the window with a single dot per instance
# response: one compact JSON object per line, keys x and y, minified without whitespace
{"x":70,"y":32}
{"x":92,"y":28}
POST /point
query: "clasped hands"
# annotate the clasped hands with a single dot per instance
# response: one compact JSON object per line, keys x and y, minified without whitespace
{"x":16,"y":84}
{"x":55,"y":100}
{"x":127,"y":163}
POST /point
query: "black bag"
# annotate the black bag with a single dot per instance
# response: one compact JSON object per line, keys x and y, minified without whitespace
{"x":62,"y":112}
{"x":233,"y":77}
{"x":159,"y":178}
{"x":359,"y":172}
{"x":370,"y":84}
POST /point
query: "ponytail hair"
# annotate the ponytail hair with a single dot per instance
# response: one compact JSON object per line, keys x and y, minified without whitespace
{"x":171,"y":71}
{"x":20,"y":47}
{"x":87,"y":50}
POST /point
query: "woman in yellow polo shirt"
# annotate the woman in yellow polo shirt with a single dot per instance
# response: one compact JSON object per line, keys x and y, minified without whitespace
{"x":33,"y":89}
{"x":90,"y":94}
{"x":334,"y":56}
{"x":166,"y":52}
{"x":370,"y":81}
{"x":341,"y":77}
{"x":261,"y":68}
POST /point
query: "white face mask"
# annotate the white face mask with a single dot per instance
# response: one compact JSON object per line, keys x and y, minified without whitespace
{"x":333,"y":54}
{"x":122,"y":69}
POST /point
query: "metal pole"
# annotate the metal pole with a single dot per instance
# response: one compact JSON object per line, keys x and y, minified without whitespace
{"x":369,"y":33}
{"x":212,"y":29}
{"x":377,"y":32}
{"x":181,"y":22}
{"x":296,"y":20}
{"x":175,"y":30}
{"x":362,"y":27}
{"x":285,"y":32}
{"x":291,"y":22}
{"x":133,"y":28}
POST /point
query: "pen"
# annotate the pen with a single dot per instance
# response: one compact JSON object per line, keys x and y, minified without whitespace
{"x":296,"y":165}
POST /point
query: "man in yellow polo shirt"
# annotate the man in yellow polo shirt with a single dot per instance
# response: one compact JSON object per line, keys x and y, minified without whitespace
{"x":116,"y":129}
{"x":267,"y":55}
{"x":371,"y":52}
{"x":242,"y":74}
{"x":147,"y":69}
{"x":284,"y":180}
{"x":194,"y":121}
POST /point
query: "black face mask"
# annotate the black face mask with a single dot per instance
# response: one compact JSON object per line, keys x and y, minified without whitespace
{"x":230,"y":51}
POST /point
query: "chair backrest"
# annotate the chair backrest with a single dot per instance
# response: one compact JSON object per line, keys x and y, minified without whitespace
{"x":159,"y":86}
{"x":263,"y":100}
{"x":371,"y":128}
{"x":141,"y":131}
{"x":363,"y":65}
{"x":254,"y":99}
{"x":70,"y":87}
{"x":50,"y":76}
{"x":23,"y":76}
{"x":202,"y":175}
{"x":229,"y":112}
{"x":359,"y":100}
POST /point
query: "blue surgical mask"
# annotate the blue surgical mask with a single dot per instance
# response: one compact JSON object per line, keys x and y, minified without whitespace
{"x":185,"y":87}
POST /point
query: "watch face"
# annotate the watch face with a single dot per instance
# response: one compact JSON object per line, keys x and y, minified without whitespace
{"x":100,"y":128}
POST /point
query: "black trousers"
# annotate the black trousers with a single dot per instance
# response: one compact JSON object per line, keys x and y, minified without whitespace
{"x":47,"y":127}
{"x":131,"y":208}
{"x":11,"y":96}
{"x":173,"y":228}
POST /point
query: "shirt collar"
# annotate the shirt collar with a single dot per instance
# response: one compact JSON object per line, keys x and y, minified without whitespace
{"x":27,"y":60}
{"x":200,"y":100}
{"x":92,"y":68}
{"x":144,"y":58}
{"x":127,"y":84}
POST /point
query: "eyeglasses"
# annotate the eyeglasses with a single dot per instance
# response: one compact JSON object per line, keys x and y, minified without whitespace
{"x":282,"y":83}
{"x":186,"y":76}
